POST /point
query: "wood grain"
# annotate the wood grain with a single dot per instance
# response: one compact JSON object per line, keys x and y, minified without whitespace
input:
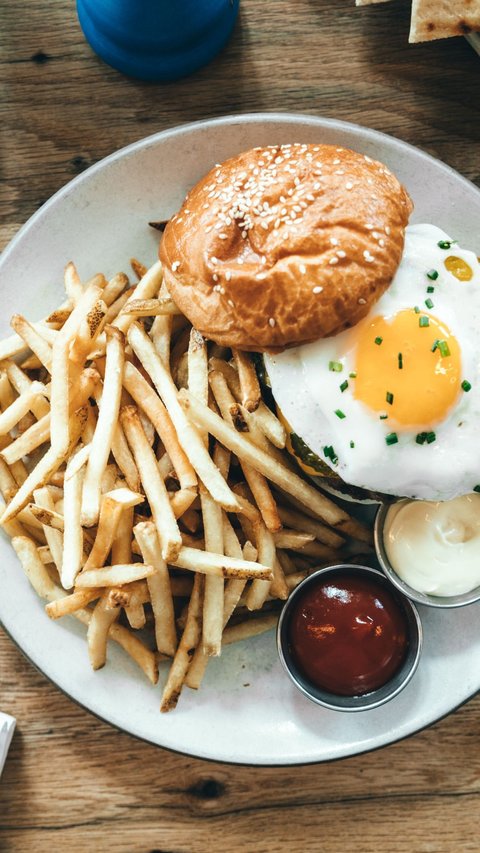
{"x":71,"y":782}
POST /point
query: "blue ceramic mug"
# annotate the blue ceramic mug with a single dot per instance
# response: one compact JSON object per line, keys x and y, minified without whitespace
{"x":157,"y":39}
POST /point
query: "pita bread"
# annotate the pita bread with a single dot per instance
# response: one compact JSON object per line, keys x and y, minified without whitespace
{"x":439,"y":19}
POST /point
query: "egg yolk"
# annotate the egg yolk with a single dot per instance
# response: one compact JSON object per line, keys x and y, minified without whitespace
{"x":408,"y":367}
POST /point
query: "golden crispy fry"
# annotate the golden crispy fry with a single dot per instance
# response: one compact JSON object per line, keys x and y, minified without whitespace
{"x":152,"y":483}
{"x":34,"y":569}
{"x":45,"y":468}
{"x":151,"y":307}
{"x":10,"y":417}
{"x":214,"y":564}
{"x":21,"y":382}
{"x":293,"y":539}
{"x":73,"y":285}
{"x":70,"y":603}
{"x":137,"y":650}
{"x":113,"y":575}
{"x":247,"y":376}
{"x":180,"y":501}
{"x":34,"y":339}
{"x":72,"y":510}
{"x":97,"y":632}
{"x":138,"y":268}
{"x":159,"y":588}
{"x":124,"y":458}
{"x":299,"y":521}
{"x":107,"y":419}
{"x":111,"y":507}
{"x":188,"y":436}
{"x":188,"y":643}
{"x":214,"y":585}
{"x":145,"y":397}
{"x":54,"y":537}
{"x":282,"y":476}
{"x":147,"y":287}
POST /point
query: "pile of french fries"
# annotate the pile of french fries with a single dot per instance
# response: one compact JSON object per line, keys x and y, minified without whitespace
{"x":146,"y":486}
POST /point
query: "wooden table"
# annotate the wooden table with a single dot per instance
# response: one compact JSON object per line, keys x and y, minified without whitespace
{"x":71,"y":782}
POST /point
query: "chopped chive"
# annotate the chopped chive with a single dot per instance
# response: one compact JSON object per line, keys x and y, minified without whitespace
{"x":389,"y":397}
{"x":344,"y":386}
{"x":329,"y":453}
{"x":430,"y":289}
{"x":421,"y":438}
{"x":432,"y":275}
{"x":383,"y":417}
{"x":435,"y":344}
{"x":444,"y":349}
{"x":429,"y":303}
{"x":423,"y":322}
{"x":335,"y":366}
{"x":417,"y":309}
{"x":378,"y":341}
{"x":430,"y":436}
{"x":445,"y":244}
{"x":353,"y":374}
{"x":340,"y":414}
{"x":391,"y":438}
{"x":476,"y":488}
{"x":400,"y":361}
{"x":466,"y":385}
{"x":352,"y":444}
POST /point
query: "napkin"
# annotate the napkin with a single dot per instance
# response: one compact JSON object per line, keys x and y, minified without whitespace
{"x":7,"y":728}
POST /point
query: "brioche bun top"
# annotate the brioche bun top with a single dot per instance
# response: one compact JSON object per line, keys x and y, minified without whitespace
{"x":283,"y":245}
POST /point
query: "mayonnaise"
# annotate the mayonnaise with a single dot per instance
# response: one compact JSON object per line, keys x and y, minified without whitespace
{"x":435,"y":547}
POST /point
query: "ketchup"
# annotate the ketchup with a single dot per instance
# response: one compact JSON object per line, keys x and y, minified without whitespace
{"x":348,"y":634}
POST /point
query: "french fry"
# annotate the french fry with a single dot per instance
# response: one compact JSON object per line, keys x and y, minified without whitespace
{"x":180,"y":501}
{"x":249,"y":628}
{"x":67,"y":605}
{"x":197,"y":367}
{"x":270,"y":425}
{"x":10,"y":417}
{"x":107,"y":419}
{"x":214,"y":585}
{"x":124,"y":458}
{"x":73,"y":285}
{"x":60,"y":386}
{"x":214,"y":564}
{"x":138,"y":268}
{"x":188,"y":643}
{"x":88,"y":331}
{"x":34,"y":569}
{"x":188,"y":436}
{"x":159,"y":588}
{"x":299,"y":521}
{"x":112,"y":575}
{"x":39,"y":433}
{"x":151,"y":307}
{"x":47,"y":466}
{"x":137,"y":650}
{"x":111,"y":507}
{"x":97,"y":632}
{"x":152,"y":483}
{"x":161,"y":334}
{"x":247,"y":377}
{"x":147,"y":399}
{"x":54,"y":537}
{"x":122,"y":553}
{"x":259,"y":590}
{"x":73,"y":533}
{"x":21,"y":382}
{"x":293,"y":539}
{"x":282,"y":476}
{"x":147,"y":287}
{"x":34,"y":339}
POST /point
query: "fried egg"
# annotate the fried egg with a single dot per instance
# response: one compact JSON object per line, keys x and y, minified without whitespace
{"x":393,"y":404}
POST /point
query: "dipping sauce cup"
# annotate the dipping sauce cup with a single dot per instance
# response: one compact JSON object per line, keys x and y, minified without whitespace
{"x":348,"y":640}
{"x":440,"y":601}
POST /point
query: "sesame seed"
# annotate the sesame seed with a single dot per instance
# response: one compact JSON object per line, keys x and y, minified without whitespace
{"x":264,"y":225}
{"x":362,"y":301}
{"x":175,"y":265}
{"x":317,"y":185}
{"x":231,"y":303}
{"x":368,"y":257}
{"x":333,"y":241}
{"x":387,"y":230}
{"x":381,"y":242}
{"x":349,"y":185}
{"x":228,"y":275}
{"x":223,"y":236}
{"x":214,"y":260}
{"x":368,"y":226}
{"x":333,"y":261}
{"x":341,"y":254}
{"x":215,"y":276}
{"x":302,"y":269}
{"x":271,"y":322}
{"x":337,"y":161}
{"x":261,"y":275}
{"x":317,"y":289}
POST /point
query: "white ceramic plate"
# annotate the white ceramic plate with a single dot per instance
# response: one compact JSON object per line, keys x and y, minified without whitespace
{"x":247,"y":710}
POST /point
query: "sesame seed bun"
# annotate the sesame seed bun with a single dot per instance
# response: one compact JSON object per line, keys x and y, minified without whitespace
{"x":283,"y":245}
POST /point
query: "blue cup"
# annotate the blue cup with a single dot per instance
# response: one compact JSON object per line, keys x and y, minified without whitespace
{"x":157,"y":39}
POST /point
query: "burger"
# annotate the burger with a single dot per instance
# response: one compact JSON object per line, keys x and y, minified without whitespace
{"x":365,"y":326}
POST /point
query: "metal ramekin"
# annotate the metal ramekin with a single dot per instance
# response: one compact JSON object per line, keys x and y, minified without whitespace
{"x":440,"y":601}
{"x":367,"y":701}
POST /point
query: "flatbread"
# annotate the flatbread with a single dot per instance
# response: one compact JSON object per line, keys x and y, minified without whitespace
{"x":439,"y":19}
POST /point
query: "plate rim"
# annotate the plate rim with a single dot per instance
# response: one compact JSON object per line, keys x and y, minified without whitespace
{"x":269,"y":117}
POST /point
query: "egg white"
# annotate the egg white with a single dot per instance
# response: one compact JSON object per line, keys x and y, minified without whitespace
{"x":308,"y":392}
